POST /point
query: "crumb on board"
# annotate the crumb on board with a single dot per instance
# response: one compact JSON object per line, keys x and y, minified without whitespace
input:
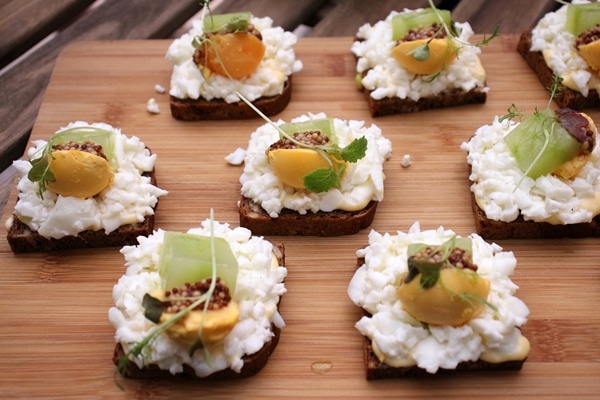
{"x":159,"y":88}
{"x":237,"y":157}
{"x":152,"y":106}
{"x":405,"y":161}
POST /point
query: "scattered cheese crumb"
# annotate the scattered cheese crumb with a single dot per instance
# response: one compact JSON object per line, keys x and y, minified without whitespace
{"x":159,"y":88}
{"x":405,"y":161}
{"x":152,"y":106}
{"x":237,"y":157}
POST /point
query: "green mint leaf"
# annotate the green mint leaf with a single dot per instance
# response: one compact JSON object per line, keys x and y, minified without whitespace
{"x":321,"y":180}
{"x":355,"y":150}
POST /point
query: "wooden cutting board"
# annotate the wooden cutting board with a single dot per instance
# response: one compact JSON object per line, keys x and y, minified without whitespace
{"x":55,"y":338}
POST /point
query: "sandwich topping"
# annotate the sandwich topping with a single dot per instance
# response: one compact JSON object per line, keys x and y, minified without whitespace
{"x":409,"y":57}
{"x":568,"y":40}
{"x":229,"y":53}
{"x":545,"y":168}
{"x":170,"y":310}
{"x":462,"y":286}
{"x":85,"y":177}
{"x":342,"y":165}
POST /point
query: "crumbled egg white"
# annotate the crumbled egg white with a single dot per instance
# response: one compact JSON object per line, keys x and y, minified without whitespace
{"x":128,"y":200}
{"x":405,"y":161}
{"x":403,"y":341}
{"x":558,"y":48}
{"x":503,"y":193}
{"x":159,"y":89}
{"x":279,"y":62}
{"x":259,"y":287}
{"x":362,"y":181}
{"x":236,"y":157}
{"x":152,"y":106}
{"x":386,"y":78}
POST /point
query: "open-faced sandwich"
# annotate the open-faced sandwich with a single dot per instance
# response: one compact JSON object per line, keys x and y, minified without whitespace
{"x":436,"y":302}
{"x":314,"y":176}
{"x":539,"y":178}
{"x":566,"y":43}
{"x":417,"y":60}
{"x":200,"y":305}
{"x":87,"y":186}
{"x":226,"y":55}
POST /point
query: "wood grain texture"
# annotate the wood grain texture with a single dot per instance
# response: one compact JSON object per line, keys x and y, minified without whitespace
{"x":56,"y":338}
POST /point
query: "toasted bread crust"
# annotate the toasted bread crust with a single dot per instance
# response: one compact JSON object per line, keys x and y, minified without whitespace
{"x":23,"y":240}
{"x":291,"y":223}
{"x":447,"y":98}
{"x":566,"y":97}
{"x":522,"y":229}
{"x":218,"y":109}
{"x":253,"y":363}
{"x":375,"y":369}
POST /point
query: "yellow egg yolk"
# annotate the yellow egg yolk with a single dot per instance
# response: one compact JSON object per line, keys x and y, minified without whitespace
{"x":79,"y":174}
{"x":591,"y":54}
{"x":210,"y":327}
{"x":454,"y":300}
{"x":235,"y":55}
{"x":292,"y":165}
{"x":441,"y":53}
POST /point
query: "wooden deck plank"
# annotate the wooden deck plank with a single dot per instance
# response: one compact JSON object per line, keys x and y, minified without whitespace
{"x":24,"y":82}
{"x":25,"y":23}
{"x":513,"y":16}
{"x":346,"y":16}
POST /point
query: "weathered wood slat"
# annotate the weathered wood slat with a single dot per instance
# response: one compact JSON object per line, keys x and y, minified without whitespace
{"x":513,"y":16}
{"x":23,"y":83}
{"x":25,"y":23}
{"x":346,"y":16}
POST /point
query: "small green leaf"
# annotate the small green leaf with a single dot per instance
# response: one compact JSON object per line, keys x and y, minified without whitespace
{"x":355,"y":150}
{"x":153,"y":308}
{"x":196,"y":346}
{"x":420,"y":53}
{"x":321,"y":180}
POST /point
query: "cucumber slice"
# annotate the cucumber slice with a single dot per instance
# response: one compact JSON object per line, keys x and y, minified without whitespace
{"x":215,"y":23}
{"x":323,"y":125}
{"x":81,"y":134}
{"x":402,"y":23}
{"x":540,"y":144}
{"x":188,"y":258}
{"x":581,"y":17}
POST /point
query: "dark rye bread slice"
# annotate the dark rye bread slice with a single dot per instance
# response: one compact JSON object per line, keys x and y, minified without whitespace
{"x":253,"y":363}
{"x":375,"y":369}
{"x":447,"y":98}
{"x":291,"y":223}
{"x":522,"y":229}
{"x":566,"y":97}
{"x":23,"y":240}
{"x":219,"y":109}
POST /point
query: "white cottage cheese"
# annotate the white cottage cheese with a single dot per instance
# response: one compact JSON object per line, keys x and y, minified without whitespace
{"x":403,"y":341}
{"x":558,"y":48}
{"x":128,"y":200}
{"x":279,"y":62}
{"x":503,"y":193}
{"x":362,"y":181}
{"x":386,"y":78}
{"x":258,"y":289}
